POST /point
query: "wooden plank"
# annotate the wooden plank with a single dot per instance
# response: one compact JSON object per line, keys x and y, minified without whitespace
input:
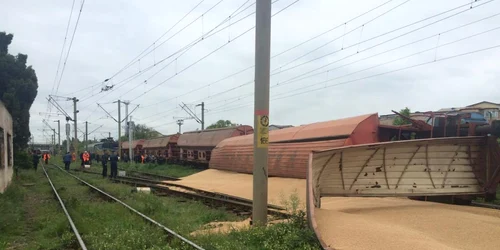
{"x":318,"y":176}
{"x":415,"y":161}
{"x":326,"y":192}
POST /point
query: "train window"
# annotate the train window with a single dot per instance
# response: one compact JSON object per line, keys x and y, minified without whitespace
{"x":2,"y":150}
{"x":9,"y":150}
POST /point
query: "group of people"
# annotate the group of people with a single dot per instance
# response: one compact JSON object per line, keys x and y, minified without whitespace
{"x":36,"y":158}
{"x":85,"y":160}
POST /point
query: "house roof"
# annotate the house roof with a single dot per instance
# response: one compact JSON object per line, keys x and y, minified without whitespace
{"x":498,"y":104}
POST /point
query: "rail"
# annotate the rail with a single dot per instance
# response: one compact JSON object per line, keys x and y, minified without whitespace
{"x":134,"y":210}
{"x":73,"y":227}
{"x":485,"y":205}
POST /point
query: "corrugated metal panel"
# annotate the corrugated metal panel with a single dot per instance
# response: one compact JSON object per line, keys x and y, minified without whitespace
{"x":315,"y":130}
{"x":211,"y":137}
{"x":285,"y":159}
{"x":408,"y":168}
{"x":134,"y":143}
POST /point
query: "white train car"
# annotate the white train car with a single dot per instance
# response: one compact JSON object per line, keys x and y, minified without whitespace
{"x":6,"y":152}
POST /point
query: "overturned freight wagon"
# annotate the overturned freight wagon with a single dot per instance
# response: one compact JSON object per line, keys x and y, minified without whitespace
{"x":454,"y":167}
{"x":289,"y":148}
{"x":165,"y":146}
{"x":196,"y":146}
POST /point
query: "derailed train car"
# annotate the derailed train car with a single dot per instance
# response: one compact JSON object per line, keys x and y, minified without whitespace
{"x":164,"y":147}
{"x":289,"y":148}
{"x":196,"y":146}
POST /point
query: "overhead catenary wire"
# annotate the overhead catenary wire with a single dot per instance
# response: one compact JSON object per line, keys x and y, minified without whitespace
{"x":274,"y":56}
{"x":377,"y":36}
{"x":371,"y":76}
{"x":202,"y":58}
{"x":185,"y":48}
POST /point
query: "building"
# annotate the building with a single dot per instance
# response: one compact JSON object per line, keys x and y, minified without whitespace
{"x":6,"y":146}
{"x":274,"y":127}
{"x":490,"y":111}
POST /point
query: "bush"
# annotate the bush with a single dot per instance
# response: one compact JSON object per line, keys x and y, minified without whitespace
{"x":22,"y":160}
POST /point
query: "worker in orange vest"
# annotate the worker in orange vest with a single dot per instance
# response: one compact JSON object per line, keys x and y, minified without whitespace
{"x":46,"y":157}
{"x":142,"y":158}
{"x":86,"y":158}
{"x":73,"y":157}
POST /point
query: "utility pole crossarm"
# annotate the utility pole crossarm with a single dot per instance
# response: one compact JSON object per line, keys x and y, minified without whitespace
{"x":190,"y":112}
{"x":107,"y":112}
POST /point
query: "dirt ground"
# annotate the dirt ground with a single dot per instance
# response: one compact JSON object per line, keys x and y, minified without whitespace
{"x":373,"y":223}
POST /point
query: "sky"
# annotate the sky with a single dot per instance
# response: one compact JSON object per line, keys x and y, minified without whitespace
{"x":329,"y":59}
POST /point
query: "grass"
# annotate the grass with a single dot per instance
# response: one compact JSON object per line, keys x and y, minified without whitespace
{"x":32,"y":219}
{"x":171,"y":170}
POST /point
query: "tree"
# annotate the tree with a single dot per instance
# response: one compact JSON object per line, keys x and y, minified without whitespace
{"x":399,"y":120}
{"x":143,"y":132}
{"x":222,"y":124}
{"x":18,"y":90}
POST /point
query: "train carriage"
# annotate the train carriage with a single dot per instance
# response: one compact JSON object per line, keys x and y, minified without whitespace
{"x":196,"y":146}
{"x":165,"y":147}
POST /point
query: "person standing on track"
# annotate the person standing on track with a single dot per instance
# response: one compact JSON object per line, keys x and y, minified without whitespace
{"x":36,"y":159}
{"x":86,"y":158}
{"x":46,"y":157}
{"x":114,"y":164}
{"x":67,"y":160}
{"x":104,"y":161}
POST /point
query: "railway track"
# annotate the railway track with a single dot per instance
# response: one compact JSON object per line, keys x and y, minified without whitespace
{"x":112,"y":198}
{"x":485,"y":205}
{"x":237,"y":205}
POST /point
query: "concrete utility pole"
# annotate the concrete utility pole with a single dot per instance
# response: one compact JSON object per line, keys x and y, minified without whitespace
{"x":75,"y":111}
{"x":180,"y":122}
{"x":130,"y":136}
{"x":119,"y":129}
{"x":68,"y":133}
{"x":86,"y":136}
{"x":128,"y":131}
{"x":202,"y":104}
{"x":58,"y":136}
{"x":261,"y":116}
{"x":54,"y":140}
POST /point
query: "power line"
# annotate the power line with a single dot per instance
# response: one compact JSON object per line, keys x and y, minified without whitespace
{"x":70,"y":45}
{"x":187,"y":47}
{"x":189,"y":66}
{"x":274,"y":56}
{"x":372,"y":76}
{"x":378,"y":36}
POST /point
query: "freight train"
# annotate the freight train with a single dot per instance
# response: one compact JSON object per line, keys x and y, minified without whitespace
{"x":231,"y":148}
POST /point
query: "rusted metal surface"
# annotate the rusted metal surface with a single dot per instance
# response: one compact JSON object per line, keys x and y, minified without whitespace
{"x":290,"y":147}
{"x":285,"y":159}
{"x":439,"y":166}
{"x":160,"y":142}
{"x":136,"y":145}
{"x":211,"y":137}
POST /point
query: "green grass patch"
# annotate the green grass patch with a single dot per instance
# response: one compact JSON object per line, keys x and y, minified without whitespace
{"x":32,"y":219}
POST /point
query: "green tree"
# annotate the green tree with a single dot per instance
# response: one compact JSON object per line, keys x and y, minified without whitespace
{"x":399,"y":120}
{"x":18,"y":90}
{"x":222,"y":124}
{"x":143,"y":132}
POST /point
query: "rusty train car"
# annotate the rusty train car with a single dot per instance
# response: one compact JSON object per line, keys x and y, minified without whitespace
{"x":231,"y":148}
{"x":194,"y":147}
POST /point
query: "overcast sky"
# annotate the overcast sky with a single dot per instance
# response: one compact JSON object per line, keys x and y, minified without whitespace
{"x":348,"y":71}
